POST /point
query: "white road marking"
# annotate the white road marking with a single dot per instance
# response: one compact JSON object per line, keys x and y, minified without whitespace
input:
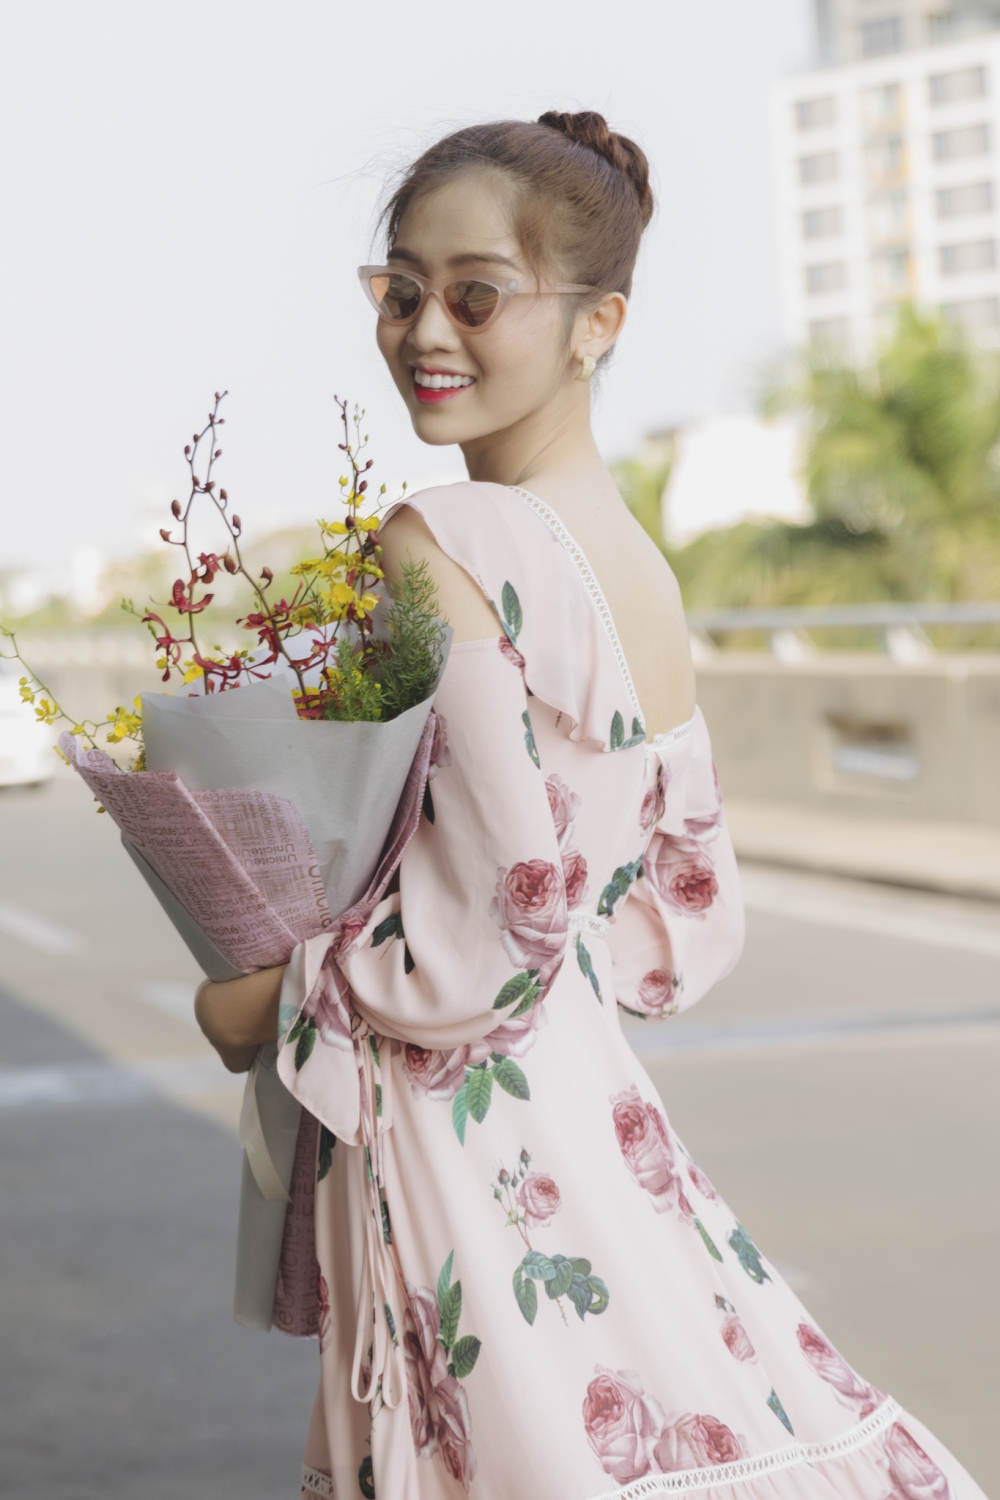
{"x":37,"y":931}
{"x":172,"y":996}
{"x":914,"y":916}
{"x":660,"y":1039}
{"x":111,"y":1083}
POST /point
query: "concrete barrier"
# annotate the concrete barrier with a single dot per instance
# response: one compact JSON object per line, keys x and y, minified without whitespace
{"x":861,"y":765}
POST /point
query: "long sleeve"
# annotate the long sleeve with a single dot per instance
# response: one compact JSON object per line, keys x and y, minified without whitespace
{"x":682,"y":928}
{"x":477,"y":929}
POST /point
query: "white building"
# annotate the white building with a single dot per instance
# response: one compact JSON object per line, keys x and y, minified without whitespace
{"x":886,"y":170}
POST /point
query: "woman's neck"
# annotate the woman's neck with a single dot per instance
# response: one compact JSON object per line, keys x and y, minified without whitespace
{"x":553,"y":454}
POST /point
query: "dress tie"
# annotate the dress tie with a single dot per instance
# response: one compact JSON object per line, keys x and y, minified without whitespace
{"x":585,"y":921}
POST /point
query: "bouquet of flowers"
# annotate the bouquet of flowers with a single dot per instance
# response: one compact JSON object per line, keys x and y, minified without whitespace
{"x":272,"y":801}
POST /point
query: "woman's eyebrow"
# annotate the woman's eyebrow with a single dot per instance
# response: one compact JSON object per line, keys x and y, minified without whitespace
{"x":476,"y":258}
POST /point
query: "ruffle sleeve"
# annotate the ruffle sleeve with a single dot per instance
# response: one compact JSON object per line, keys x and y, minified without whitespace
{"x":476,"y":933}
{"x":682,"y":928}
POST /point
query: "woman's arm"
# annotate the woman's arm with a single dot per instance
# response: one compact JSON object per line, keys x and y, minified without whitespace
{"x":239,"y":1015}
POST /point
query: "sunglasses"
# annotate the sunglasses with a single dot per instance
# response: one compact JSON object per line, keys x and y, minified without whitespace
{"x":397,"y":296}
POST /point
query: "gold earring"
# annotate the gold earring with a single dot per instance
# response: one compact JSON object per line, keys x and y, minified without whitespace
{"x":587,"y":367}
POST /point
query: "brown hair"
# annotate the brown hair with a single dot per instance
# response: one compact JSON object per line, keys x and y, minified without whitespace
{"x":581,"y":193}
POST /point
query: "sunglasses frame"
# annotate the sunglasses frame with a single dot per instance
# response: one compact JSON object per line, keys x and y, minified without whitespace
{"x":436,"y":286}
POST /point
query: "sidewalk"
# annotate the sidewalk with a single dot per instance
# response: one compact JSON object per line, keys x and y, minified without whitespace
{"x":960,"y":858}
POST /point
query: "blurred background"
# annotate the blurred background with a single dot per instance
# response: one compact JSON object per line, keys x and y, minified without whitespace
{"x":804,"y":412}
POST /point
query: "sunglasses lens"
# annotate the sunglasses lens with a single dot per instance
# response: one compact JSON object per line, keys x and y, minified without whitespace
{"x":397,"y":297}
{"x":471,"y":302}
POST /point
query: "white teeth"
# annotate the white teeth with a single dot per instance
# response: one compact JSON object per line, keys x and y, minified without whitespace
{"x":441,"y":382}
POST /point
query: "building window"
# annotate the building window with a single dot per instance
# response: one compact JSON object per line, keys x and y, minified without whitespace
{"x":892,"y":272}
{"x":822,"y":168}
{"x":949,"y":88}
{"x":880,"y":37}
{"x":888,"y":215}
{"x":881,"y":105}
{"x":964,"y":260}
{"x":831,"y":277}
{"x":977,"y":313}
{"x":967,"y":140}
{"x":885,"y":157}
{"x":830,"y":333}
{"x":969,"y":198}
{"x":822,"y":223}
{"x":816,"y":114}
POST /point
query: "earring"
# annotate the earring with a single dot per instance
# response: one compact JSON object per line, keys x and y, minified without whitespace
{"x":587,"y":367}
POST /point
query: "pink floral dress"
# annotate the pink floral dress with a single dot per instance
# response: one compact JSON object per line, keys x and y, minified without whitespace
{"x":528,"y":1290}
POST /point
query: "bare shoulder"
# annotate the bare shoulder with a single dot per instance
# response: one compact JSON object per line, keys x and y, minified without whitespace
{"x":406,"y":537}
{"x":650,"y":615}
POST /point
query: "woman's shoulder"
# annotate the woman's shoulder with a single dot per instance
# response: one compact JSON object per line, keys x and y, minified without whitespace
{"x":535,"y":595}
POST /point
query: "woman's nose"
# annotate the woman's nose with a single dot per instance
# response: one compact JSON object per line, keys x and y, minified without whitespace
{"x":432,"y":328}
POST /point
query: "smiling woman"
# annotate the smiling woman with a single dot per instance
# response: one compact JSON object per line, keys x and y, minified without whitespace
{"x":489,"y":1141}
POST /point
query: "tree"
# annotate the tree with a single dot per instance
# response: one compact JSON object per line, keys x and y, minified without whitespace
{"x":902,"y":468}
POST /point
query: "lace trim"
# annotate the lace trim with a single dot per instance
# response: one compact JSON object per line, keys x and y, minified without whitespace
{"x":766,"y":1463}
{"x":576,"y":552}
{"x":583,"y":921}
{"x":661,"y":741}
{"x":321,"y":1484}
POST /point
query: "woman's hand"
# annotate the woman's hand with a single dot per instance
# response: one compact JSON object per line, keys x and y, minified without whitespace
{"x":240,"y":1014}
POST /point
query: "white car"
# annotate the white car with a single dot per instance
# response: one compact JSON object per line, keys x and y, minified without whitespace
{"x":26,"y":754}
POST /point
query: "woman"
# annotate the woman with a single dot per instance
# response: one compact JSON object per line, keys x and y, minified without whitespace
{"x":529,"y":1290}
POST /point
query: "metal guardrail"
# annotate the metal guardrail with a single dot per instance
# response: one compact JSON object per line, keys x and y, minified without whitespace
{"x":788,"y":626}
{"x":724,"y":621}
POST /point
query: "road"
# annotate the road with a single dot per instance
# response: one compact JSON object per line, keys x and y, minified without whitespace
{"x":840,"y":1088}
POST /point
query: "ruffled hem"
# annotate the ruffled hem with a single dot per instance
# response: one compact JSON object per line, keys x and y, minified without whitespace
{"x":793,"y":1456}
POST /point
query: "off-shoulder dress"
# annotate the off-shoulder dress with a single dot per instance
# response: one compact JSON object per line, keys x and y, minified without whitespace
{"x":529,"y":1290}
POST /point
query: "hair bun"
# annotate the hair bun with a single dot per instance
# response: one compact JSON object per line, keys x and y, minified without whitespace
{"x":588,"y":128}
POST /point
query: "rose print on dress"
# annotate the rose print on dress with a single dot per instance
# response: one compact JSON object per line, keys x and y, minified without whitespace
{"x":734,"y":1335}
{"x":531,"y":1200}
{"x":616,"y":737}
{"x":779,"y":1411}
{"x":437,"y":1361}
{"x":618,"y":885}
{"x":466,"y":1074}
{"x":655,"y":995}
{"x":510,"y":651}
{"x":366,"y":1478}
{"x":326,"y":1014}
{"x":631,"y":1436}
{"x":681,"y":874}
{"x":748,"y":1255}
{"x":586,"y":963}
{"x":914,"y":1474}
{"x":564,"y":805}
{"x":645,"y":1144}
{"x":832,"y":1367}
{"x":530,"y":909}
{"x":623,"y":1424}
{"x":654,"y":801}
{"x":701,"y":1182}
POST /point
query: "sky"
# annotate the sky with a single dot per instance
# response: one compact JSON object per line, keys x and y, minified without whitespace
{"x":187,"y":187}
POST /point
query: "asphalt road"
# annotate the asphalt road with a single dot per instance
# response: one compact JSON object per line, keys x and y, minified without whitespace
{"x":840,"y":1088}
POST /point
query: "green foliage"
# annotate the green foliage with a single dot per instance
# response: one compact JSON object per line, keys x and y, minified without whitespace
{"x":902,"y":471}
{"x":358,"y":694}
{"x":409,"y":674}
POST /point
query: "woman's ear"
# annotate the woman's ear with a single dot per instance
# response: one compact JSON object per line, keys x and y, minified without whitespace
{"x":596,"y":331}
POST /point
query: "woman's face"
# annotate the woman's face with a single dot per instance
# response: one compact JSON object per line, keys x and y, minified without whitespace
{"x":516,"y":366}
